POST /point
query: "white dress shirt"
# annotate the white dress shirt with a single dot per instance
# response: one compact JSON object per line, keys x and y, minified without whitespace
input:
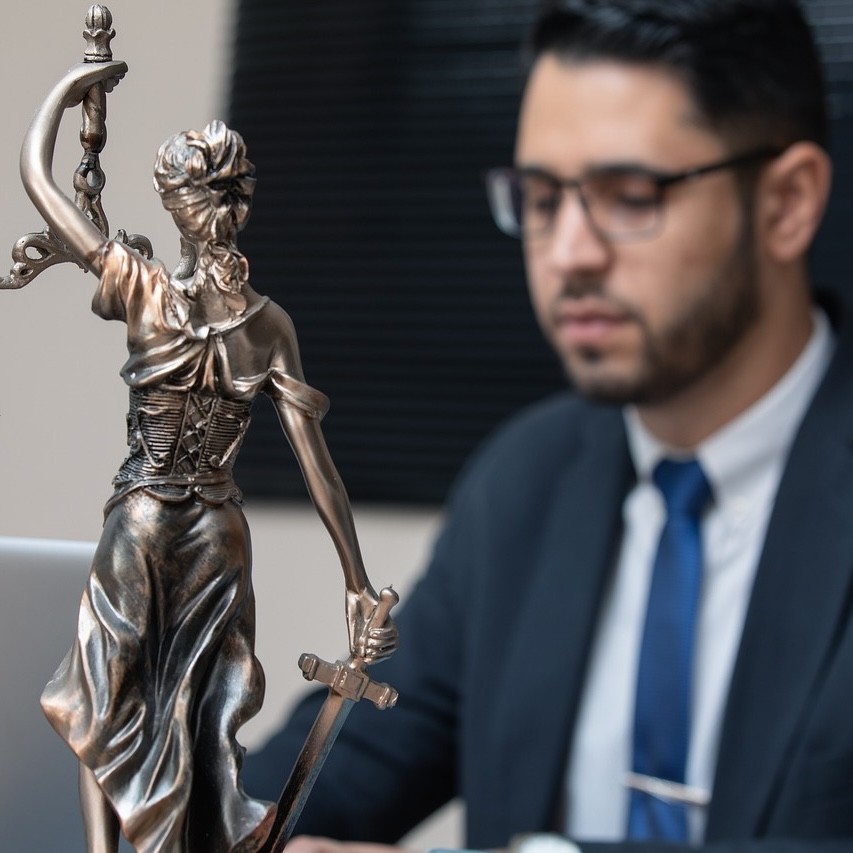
{"x":743,"y":462}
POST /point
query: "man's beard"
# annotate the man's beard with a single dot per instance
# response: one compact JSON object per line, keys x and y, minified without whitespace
{"x":692,"y":345}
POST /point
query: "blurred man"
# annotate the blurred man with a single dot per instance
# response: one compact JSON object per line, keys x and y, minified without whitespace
{"x":636,"y":625}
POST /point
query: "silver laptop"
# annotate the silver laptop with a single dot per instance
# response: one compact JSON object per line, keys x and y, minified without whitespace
{"x":40,"y":586}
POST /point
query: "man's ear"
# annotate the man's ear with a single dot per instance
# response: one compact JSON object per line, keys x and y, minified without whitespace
{"x":791,"y":199}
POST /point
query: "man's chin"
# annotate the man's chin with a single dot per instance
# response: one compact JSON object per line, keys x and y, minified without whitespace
{"x":620,"y":390}
{"x":607,"y":393}
{"x":602,"y":385}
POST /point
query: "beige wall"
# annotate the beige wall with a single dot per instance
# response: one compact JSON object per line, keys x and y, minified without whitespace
{"x":62,"y":402}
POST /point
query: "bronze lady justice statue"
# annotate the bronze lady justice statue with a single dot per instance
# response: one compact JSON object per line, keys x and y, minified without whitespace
{"x":162,"y":672}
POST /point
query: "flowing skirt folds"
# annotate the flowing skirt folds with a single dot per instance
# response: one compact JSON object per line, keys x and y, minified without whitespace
{"x":162,"y":674}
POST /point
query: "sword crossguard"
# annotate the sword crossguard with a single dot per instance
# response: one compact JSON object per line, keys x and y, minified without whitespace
{"x":347,"y":681}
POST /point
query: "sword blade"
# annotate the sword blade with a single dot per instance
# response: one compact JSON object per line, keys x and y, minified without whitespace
{"x":312,"y":756}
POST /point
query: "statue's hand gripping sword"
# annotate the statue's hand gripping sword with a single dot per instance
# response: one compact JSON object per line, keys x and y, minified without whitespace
{"x":348,"y":682}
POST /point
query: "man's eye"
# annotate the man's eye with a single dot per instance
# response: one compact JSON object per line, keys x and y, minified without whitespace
{"x":635,"y":201}
{"x":541,"y":202}
{"x":623,"y":192}
{"x":540,"y":197}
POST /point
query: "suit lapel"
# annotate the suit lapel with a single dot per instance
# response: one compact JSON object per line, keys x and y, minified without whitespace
{"x":545,"y":669}
{"x":799,"y":594}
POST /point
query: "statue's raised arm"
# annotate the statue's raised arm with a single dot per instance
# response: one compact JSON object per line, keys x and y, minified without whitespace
{"x":76,"y":230}
{"x":66,"y":238}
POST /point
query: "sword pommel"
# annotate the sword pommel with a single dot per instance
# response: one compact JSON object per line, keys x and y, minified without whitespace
{"x":347,"y":681}
{"x":387,"y":599}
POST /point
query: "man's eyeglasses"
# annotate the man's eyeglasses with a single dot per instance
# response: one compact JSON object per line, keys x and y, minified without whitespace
{"x":621,"y":202}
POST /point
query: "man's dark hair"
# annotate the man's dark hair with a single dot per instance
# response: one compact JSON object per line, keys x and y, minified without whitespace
{"x":752,"y":66}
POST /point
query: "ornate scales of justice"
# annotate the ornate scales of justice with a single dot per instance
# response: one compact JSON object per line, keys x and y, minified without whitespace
{"x":162,"y":673}
{"x":35,"y":252}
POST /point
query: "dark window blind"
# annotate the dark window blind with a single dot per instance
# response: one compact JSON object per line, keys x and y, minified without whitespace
{"x":371,"y":123}
{"x":832,"y":257}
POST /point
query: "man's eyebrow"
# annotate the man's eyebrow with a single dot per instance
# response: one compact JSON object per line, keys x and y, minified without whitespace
{"x":535,"y":169}
{"x":607,"y":166}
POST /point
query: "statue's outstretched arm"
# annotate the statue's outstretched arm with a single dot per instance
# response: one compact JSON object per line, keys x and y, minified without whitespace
{"x":326,"y":489}
{"x":330,"y":498}
{"x":74,"y":228}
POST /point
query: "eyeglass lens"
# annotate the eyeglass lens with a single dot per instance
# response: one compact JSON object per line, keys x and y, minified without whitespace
{"x":618,"y":203}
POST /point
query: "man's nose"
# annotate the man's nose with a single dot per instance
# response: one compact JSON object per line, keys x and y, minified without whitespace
{"x":575,"y":244}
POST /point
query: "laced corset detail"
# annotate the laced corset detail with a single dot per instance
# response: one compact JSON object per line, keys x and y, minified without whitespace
{"x":182,"y":444}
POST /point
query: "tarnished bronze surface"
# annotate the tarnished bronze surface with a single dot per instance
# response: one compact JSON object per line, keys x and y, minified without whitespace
{"x":162,"y":672}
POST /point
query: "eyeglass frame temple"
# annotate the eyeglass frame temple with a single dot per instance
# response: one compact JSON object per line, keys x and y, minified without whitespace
{"x":666,"y":180}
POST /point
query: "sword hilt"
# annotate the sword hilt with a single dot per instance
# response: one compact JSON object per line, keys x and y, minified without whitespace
{"x":348,"y":678}
{"x":347,"y":681}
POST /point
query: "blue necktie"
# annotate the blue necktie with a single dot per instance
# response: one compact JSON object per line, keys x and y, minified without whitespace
{"x":664,"y":674}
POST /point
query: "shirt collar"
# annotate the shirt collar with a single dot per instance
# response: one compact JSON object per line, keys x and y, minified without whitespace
{"x":758,"y":437}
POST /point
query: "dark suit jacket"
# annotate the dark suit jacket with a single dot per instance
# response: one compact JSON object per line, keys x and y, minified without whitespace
{"x":495,"y":638}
